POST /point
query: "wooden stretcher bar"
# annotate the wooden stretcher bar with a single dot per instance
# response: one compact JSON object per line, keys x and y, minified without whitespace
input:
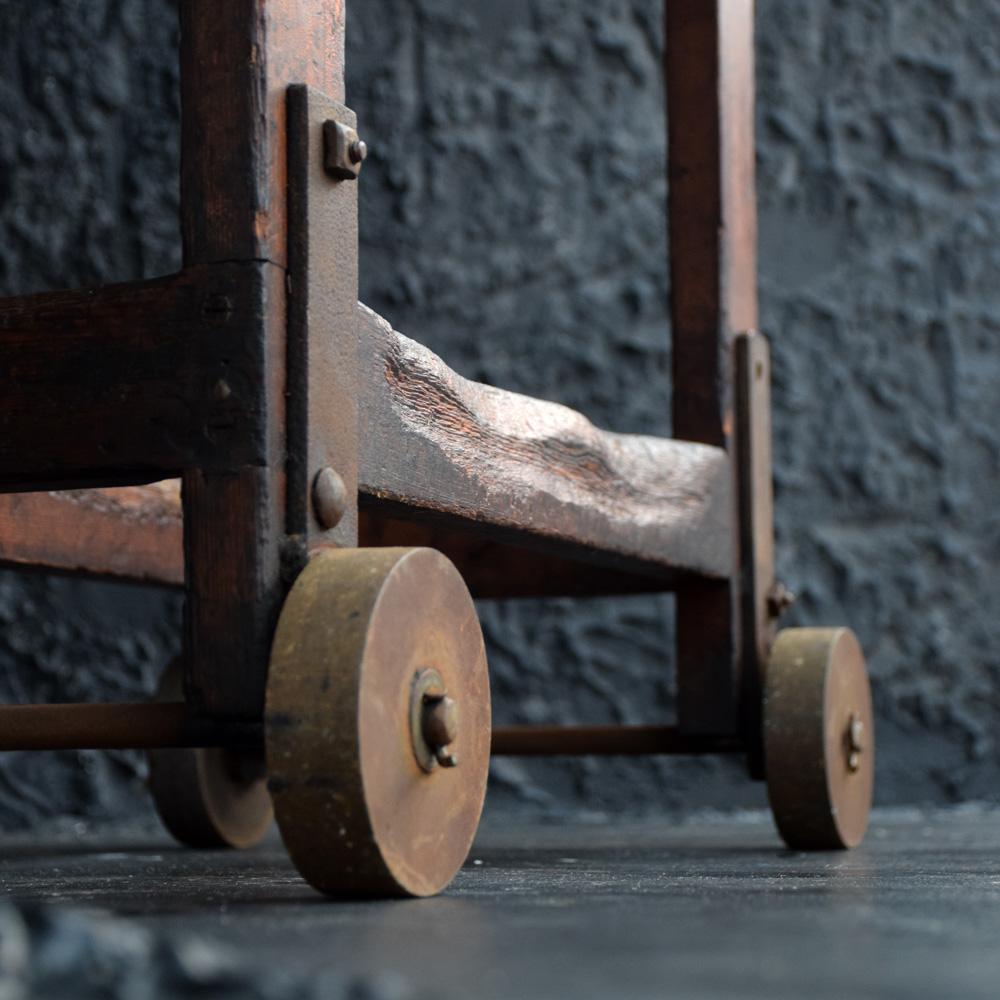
{"x":474,"y":470}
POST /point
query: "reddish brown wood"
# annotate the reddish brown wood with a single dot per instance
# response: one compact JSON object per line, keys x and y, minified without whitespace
{"x":712,"y":217}
{"x":493,"y":567}
{"x":235,"y":70}
{"x":132,"y":532}
{"x":132,"y":382}
{"x":518,"y":492}
{"x":235,"y":67}
{"x":135,"y":533}
{"x":437,"y":445}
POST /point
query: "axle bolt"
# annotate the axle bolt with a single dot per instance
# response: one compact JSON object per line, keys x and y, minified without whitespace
{"x":433,"y":722}
{"x":439,"y":726}
{"x":855,"y":741}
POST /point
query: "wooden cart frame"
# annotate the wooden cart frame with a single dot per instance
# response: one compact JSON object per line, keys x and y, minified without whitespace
{"x":297,"y":420}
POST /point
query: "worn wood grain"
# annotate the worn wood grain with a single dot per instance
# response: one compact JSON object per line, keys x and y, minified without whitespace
{"x":518,"y":491}
{"x":235,"y":71}
{"x":709,"y":73}
{"x":438,"y":446}
{"x":131,"y":532}
{"x":235,"y":66}
{"x":132,"y":382}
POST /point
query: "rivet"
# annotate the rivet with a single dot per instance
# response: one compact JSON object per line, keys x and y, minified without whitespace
{"x":222,"y":390}
{"x":330,"y":498}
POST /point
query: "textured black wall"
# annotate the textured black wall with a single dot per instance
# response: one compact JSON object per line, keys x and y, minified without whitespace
{"x":513,"y":220}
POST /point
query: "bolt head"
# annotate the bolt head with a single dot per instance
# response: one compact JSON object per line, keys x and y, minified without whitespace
{"x":343,"y":151}
{"x":358,"y":151}
{"x":779,"y":599}
{"x":440,"y":720}
{"x":330,"y":498}
{"x":857,"y":734}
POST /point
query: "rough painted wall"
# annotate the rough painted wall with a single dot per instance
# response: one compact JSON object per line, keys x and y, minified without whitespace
{"x":513,"y":213}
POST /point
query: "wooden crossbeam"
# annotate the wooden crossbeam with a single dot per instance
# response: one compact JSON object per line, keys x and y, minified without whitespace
{"x":519,"y":492}
{"x":133,"y":382}
{"x":440,"y":447}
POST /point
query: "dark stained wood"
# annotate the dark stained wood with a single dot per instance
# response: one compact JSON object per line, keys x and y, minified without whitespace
{"x":133,"y":382}
{"x":528,"y":498}
{"x":712,"y":218}
{"x":135,"y":533}
{"x":235,"y":70}
{"x":495,"y":565}
{"x":235,"y":67}
{"x":437,"y":445}
{"x":132,"y":533}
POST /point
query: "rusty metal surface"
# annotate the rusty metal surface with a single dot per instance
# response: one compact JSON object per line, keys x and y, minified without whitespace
{"x":322,"y":348}
{"x":548,"y":741}
{"x":759,"y":598}
{"x":358,"y":814}
{"x":208,"y":796}
{"x":819,"y":738}
{"x":117,"y":725}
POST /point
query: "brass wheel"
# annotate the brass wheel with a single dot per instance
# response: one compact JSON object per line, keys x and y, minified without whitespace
{"x":211,"y":797}
{"x":819,"y":738}
{"x":378,"y":722}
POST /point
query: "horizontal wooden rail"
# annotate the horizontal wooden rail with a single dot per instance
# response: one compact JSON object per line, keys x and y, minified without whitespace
{"x":527,"y":497}
{"x":129,"y":532}
{"x":437,"y":446}
{"x":132,"y":383}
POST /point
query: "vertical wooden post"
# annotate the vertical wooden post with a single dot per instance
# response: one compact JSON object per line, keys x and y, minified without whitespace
{"x":235,"y":68}
{"x":709,"y":73}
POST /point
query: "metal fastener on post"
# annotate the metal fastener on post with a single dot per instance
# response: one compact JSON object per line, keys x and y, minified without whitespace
{"x":343,"y":151}
{"x":329,"y":497}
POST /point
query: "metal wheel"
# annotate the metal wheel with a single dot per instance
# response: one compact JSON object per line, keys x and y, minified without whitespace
{"x":210,"y":797}
{"x":819,"y":738}
{"x":378,"y":722}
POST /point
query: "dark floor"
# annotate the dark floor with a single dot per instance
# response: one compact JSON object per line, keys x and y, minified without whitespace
{"x":706,"y":908}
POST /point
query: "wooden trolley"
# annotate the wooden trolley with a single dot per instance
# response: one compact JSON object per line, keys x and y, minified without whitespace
{"x":341,"y":491}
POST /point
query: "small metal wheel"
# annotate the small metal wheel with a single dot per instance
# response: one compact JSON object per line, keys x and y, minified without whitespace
{"x":819,"y":738}
{"x":378,"y":722}
{"x":211,"y":797}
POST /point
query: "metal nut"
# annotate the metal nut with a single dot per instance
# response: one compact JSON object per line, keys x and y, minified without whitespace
{"x":343,"y":151}
{"x":330,"y":498}
{"x":779,"y":599}
{"x":433,"y":722}
{"x":440,"y":720}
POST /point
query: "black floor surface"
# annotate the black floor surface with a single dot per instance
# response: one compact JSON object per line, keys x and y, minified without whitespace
{"x":704,"y":908}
